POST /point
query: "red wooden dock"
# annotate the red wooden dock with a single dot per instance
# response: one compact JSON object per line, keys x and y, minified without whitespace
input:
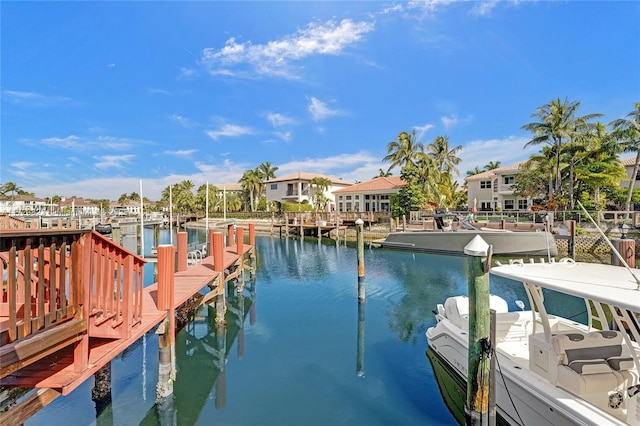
{"x":72,"y":301}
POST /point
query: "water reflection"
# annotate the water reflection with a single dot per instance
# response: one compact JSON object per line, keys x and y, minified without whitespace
{"x":202,"y":350}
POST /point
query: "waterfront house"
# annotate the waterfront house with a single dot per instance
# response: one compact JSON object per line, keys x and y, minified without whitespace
{"x":22,"y":204}
{"x":295,"y":188}
{"x":370,"y":196}
{"x":79,"y":206}
{"x":492,"y":189}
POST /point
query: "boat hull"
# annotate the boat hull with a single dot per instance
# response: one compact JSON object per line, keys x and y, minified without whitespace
{"x":524,"y":243}
{"x":522,"y":398}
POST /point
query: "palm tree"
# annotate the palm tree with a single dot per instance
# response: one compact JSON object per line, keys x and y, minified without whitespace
{"x":265,"y":171}
{"x":382,"y":173}
{"x":404,"y":151}
{"x":445,"y":157}
{"x":627,"y":130}
{"x":183,"y":198}
{"x":320,"y":185}
{"x":475,"y":171}
{"x":492,"y":165}
{"x":251,"y":182}
{"x":558,"y":124}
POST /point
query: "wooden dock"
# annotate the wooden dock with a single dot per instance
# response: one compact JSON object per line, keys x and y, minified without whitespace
{"x":75,"y":326}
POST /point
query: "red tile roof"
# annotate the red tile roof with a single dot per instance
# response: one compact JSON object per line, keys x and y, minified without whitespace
{"x":377,"y":184}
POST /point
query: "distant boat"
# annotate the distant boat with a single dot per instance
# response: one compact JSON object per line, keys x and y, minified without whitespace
{"x":452,"y":239}
{"x":103,"y":228}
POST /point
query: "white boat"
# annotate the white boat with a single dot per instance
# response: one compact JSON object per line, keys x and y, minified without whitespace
{"x":552,"y":370}
{"x":452,"y":237}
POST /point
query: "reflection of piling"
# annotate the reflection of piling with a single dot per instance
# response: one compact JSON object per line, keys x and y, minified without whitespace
{"x":101,"y":392}
{"x":360,"y":349}
{"x":240,"y":325}
{"x":360,"y":243}
{"x":477,"y":404}
{"x":221,"y":380}
{"x":166,"y":340}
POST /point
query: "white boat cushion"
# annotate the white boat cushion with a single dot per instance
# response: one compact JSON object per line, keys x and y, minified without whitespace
{"x":620,"y":362}
{"x":590,"y":366}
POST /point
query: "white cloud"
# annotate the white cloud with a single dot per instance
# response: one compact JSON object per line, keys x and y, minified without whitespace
{"x":77,"y":143}
{"x":110,"y":161}
{"x":483,"y":8}
{"x":33,"y":98}
{"x":285,"y":136}
{"x":343,"y":165}
{"x":320,"y":111}
{"x":230,"y":130}
{"x":186,"y":73}
{"x":180,"y":119}
{"x":422,"y":130}
{"x":182,"y":152}
{"x":453,"y":120}
{"x":275,"y":57}
{"x":279,"y":120}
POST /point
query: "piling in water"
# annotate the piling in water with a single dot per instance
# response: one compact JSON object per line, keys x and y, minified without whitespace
{"x":360,"y":243}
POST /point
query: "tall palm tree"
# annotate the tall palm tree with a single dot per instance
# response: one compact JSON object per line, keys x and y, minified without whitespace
{"x":627,"y":130}
{"x":558,"y":124}
{"x":475,"y":171}
{"x":445,"y":158}
{"x":251,"y":182}
{"x":265,"y":171}
{"x":404,"y":151}
{"x":320,"y":185}
{"x":382,"y":173}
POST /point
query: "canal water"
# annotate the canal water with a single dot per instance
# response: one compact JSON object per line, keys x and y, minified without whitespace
{"x":298,"y":348}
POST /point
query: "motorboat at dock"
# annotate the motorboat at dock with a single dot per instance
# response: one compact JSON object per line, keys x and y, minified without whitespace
{"x":552,"y":370}
{"x":453,"y":233}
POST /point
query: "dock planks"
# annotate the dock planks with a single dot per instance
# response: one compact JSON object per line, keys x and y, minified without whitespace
{"x":57,"y":370}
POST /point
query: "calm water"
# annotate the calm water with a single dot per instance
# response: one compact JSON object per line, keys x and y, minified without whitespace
{"x":296,"y":352}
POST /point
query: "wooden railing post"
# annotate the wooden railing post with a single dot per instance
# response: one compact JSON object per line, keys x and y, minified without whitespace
{"x":240,"y":241}
{"x":252,"y":234}
{"x":182,"y":251}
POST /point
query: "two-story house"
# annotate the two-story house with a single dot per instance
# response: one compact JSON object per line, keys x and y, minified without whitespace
{"x":370,"y":196}
{"x":22,"y":204}
{"x":296,"y":188}
{"x":493,"y":190}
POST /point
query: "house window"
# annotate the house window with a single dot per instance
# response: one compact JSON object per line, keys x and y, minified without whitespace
{"x":348,"y":197}
{"x":509,"y":204}
{"x":340,"y":207}
{"x":508,"y":180}
{"x":348,"y":206}
{"x":366,"y":197}
{"x":384,"y":197}
{"x":522,"y":204}
{"x":485,"y":184}
{"x":340,"y":197}
{"x":485,"y":205}
{"x":274,"y":186}
{"x":357,"y":197}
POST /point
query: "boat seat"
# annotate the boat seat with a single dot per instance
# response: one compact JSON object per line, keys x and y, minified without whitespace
{"x":456,"y":309}
{"x":592,"y":365}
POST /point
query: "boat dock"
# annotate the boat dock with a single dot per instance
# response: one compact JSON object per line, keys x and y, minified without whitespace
{"x":88,"y":303}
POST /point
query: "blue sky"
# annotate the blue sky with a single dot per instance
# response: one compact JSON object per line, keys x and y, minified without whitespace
{"x":97,"y":96}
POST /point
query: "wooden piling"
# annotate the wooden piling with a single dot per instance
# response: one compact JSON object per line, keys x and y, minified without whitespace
{"x":571,"y":243}
{"x":479,"y":358}
{"x":166,"y":340}
{"x":230,"y":235}
{"x":181,"y":243}
{"x":239,"y":241}
{"x":360,"y":244}
{"x":627,"y":249}
{"x":252,"y":234}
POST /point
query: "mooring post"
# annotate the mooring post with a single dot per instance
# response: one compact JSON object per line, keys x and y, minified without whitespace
{"x":571,"y":242}
{"x":479,"y":357}
{"x":230,"y":234}
{"x":252,"y":234}
{"x":166,"y":340}
{"x":211,"y":249}
{"x":217,"y":241}
{"x":360,"y":243}
{"x":404,"y":223}
{"x":181,"y":242}
{"x":240,"y":241}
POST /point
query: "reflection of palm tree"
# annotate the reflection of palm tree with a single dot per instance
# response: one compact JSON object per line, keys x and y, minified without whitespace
{"x":628,"y":131}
